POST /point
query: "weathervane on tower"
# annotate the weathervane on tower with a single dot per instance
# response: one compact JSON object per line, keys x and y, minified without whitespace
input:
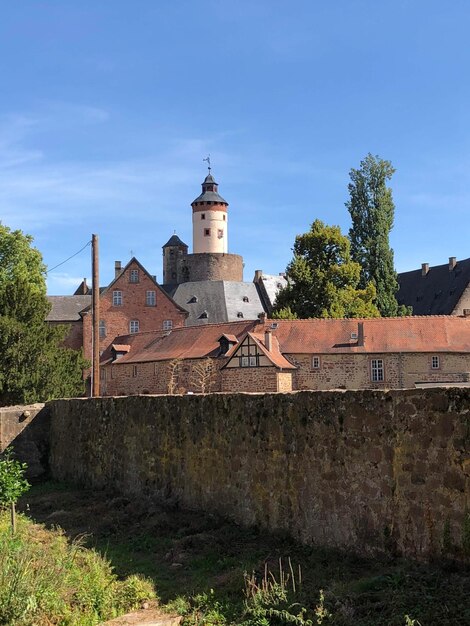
{"x":208,"y":159}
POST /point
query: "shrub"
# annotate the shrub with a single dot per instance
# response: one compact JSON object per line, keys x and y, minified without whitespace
{"x":44,"y":579}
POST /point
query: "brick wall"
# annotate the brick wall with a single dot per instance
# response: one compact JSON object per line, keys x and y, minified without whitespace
{"x":133,"y":307}
{"x":359,"y":469}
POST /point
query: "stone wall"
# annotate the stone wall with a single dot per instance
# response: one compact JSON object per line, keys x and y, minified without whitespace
{"x":364,"y":470}
{"x":210,"y":266}
{"x":26,"y":428}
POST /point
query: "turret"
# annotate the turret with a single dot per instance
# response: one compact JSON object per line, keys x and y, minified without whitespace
{"x":173,"y":251}
{"x":210,"y":220}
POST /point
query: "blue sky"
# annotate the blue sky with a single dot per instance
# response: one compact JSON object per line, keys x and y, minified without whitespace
{"x":108,"y":108}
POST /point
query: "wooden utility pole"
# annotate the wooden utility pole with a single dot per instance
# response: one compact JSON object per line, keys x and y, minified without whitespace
{"x":95,"y":310}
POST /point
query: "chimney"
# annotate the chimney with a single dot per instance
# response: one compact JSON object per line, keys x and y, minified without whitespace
{"x":117,"y":268}
{"x":262,"y":317}
{"x":268,"y":340}
{"x":258,"y":276}
{"x":424,"y":269}
{"x":360,"y":333}
{"x":452,"y":262}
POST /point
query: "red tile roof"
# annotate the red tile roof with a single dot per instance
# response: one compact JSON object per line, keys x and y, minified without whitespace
{"x":398,"y":334}
{"x":191,"y":342}
{"x":315,"y":336}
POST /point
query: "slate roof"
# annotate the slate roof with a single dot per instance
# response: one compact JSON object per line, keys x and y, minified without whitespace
{"x":269,"y":285}
{"x":67,"y":308}
{"x":221,"y":300}
{"x":174,"y":240}
{"x":436,"y":293}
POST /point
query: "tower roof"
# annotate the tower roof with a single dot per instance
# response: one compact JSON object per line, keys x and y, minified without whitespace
{"x":174,"y":240}
{"x":210,"y":192}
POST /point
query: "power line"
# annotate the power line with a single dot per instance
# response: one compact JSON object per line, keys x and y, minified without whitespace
{"x":70,"y":257}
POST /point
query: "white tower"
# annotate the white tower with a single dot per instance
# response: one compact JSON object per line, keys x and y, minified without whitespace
{"x":210,"y":220}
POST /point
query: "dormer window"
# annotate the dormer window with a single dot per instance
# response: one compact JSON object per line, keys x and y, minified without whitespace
{"x":203,"y":315}
{"x":246,"y":299}
{"x":239,"y":314}
{"x":192,"y":300}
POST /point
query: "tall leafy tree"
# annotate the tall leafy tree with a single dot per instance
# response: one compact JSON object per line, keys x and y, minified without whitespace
{"x":372,"y":213}
{"x":34,"y":365}
{"x":323,"y":280}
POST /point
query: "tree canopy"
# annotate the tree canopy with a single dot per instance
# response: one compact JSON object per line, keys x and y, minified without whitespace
{"x":34,"y":365}
{"x":372,"y":213}
{"x":323,"y":280}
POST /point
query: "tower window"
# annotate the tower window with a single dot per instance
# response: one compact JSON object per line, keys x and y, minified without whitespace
{"x":224,"y":217}
{"x":220,"y":233}
{"x":207,"y":232}
{"x":203,"y":216}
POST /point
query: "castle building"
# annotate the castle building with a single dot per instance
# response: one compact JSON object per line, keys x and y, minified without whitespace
{"x":210,"y":259}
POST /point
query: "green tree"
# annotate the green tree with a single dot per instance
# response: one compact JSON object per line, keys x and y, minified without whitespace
{"x":12,"y":483}
{"x":372,"y":212}
{"x":34,"y":365}
{"x":323,"y":280}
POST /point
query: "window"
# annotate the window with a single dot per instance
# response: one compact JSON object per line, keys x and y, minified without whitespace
{"x":150,"y":298}
{"x":246,"y":299}
{"x":377,"y":370}
{"x":245,"y":361}
{"x":316,"y":362}
{"x":220,"y":233}
{"x":134,"y":276}
{"x":239,"y":314}
{"x":203,"y":216}
{"x":167,"y":324}
{"x":192,"y":300}
{"x":134,"y":371}
{"x":117,"y":298}
{"x":102,"y":329}
{"x":435,"y":363}
{"x":155,"y":369}
{"x":225,"y":217}
{"x":207,"y":232}
{"x":253,"y":361}
{"x":203,"y":315}
{"x":134,"y":326}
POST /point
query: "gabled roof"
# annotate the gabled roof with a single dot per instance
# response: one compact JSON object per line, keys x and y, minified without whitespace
{"x":436,"y":293}
{"x":274,"y":356}
{"x":67,"y":308}
{"x":151,"y":278}
{"x":192,"y":342}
